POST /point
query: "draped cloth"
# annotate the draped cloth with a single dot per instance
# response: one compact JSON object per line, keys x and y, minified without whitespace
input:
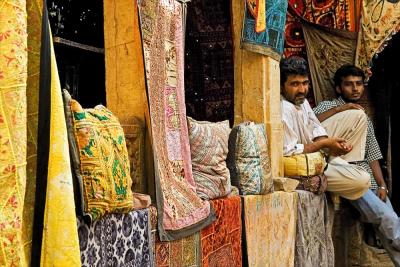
{"x":117,"y":240}
{"x":379,"y":22}
{"x":327,"y":50}
{"x":333,"y":14}
{"x":180,"y":211}
{"x":34,"y":19}
{"x":270,"y":229}
{"x":209,"y":60}
{"x":183,"y":252}
{"x":314,"y":246}
{"x":269,"y":41}
{"x":55,"y":239}
{"x":13,"y":109}
{"x":221,"y":241}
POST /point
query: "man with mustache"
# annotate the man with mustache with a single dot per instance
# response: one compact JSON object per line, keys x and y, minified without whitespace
{"x":344,"y":136}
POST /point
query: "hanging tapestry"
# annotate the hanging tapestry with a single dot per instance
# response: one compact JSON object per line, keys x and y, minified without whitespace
{"x":221,"y":242}
{"x":379,"y":22}
{"x":209,"y":60}
{"x":13,"y":110}
{"x":333,"y":14}
{"x":184,"y":252}
{"x":314,"y":246}
{"x":100,"y":159}
{"x":180,"y":211}
{"x":117,"y":240}
{"x":294,"y":39}
{"x":270,"y":229}
{"x":327,"y":50}
{"x":269,"y":41}
{"x":34,"y":24}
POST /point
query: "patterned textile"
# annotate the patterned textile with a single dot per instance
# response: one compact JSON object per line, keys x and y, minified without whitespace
{"x":270,"y":41}
{"x":327,"y":50}
{"x":117,"y":240}
{"x":60,"y":234}
{"x":372,"y":150}
{"x":183,"y":252}
{"x":330,"y":13}
{"x":270,"y":229}
{"x":13,"y":132}
{"x":209,"y":60}
{"x":257,"y":11}
{"x":221,"y":241}
{"x":248,"y":159}
{"x":314,"y":246}
{"x":181,"y":212}
{"x":208,"y":148}
{"x":34,"y":20}
{"x":134,"y":136}
{"x":379,"y":21}
{"x":100,"y":158}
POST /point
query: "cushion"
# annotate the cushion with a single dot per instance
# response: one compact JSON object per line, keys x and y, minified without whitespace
{"x":99,"y":159}
{"x":248,"y":159}
{"x":208,"y":149}
{"x":309,"y":164}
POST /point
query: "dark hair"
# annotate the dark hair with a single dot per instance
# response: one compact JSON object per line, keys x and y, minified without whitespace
{"x":347,"y":70}
{"x":292,"y":66}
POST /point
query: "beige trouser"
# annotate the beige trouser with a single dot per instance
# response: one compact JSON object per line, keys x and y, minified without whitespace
{"x":347,"y":180}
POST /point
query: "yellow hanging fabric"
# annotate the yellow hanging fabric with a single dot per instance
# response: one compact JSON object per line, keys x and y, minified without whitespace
{"x":60,"y":246}
{"x":34,"y":28}
{"x":13,"y":73}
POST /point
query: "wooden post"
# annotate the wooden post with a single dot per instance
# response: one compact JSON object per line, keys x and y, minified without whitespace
{"x":257,"y":91}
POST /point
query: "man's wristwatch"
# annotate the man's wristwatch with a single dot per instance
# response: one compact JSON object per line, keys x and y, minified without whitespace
{"x":384,"y":188}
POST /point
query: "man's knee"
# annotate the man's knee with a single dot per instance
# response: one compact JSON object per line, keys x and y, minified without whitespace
{"x":357,"y":116}
{"x":363,"y":181}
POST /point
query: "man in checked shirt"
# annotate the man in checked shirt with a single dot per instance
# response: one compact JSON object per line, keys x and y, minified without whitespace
{"x":349,"y":87}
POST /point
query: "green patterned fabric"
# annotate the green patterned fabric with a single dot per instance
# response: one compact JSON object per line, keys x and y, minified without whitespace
{"x":248,"y":159}
{"x":100,"y":159}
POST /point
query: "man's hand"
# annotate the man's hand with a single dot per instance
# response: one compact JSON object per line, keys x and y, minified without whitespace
{"x":382,"y":194}
{"x":338,"y":146}
{"x":348,"y":106}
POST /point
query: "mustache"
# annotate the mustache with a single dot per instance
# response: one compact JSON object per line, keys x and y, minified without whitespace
{"x":300,"y":95}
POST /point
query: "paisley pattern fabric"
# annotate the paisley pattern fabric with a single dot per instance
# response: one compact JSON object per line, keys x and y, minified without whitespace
{"x":117,"y":240}
{"x":13,"y":132}
{"x":221,"y":242}
{"x":379,"y":22}
{"x":60,"y":235}
{"x":101,"y":159}
{"x":209,"y":148}
{"x":314,"y":246}
{"x":274,"y":218}
{"x":248,"y":159}
{"x":269,"y":41}
{"x":180,"y":211}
